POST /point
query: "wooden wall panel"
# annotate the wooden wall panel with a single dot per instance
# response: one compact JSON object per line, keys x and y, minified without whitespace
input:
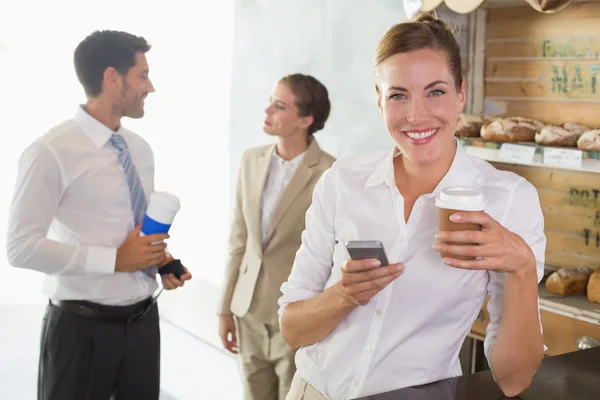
{"x":561,"y":333}
{"x":551,"y":112}
{"x":524,"y":22}
{"x":544,"y":66}
{"x":570,"y":202}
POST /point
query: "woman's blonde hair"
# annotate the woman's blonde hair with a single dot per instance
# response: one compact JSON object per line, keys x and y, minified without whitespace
{"x":426,"y":31}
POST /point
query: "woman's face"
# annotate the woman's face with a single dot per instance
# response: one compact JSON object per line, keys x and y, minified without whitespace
{"x":282,"y":117}
{"x":420,"y":104}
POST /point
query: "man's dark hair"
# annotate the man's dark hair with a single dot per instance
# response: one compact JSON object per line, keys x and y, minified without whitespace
{"x":103,"y":49}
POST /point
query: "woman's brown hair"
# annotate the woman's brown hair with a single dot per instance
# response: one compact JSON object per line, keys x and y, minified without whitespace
{"x":426,"y":31}
{"x":312,"y":99}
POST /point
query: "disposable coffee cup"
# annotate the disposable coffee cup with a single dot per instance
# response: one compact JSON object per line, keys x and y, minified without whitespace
{"x":451,"y":200}
{"x":160,"y":213}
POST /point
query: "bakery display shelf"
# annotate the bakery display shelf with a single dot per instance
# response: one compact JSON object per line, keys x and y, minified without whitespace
{"x":578,"y":307}
{"x":490,"y":151}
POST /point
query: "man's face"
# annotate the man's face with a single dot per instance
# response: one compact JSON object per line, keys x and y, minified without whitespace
{"x":134,"y":88}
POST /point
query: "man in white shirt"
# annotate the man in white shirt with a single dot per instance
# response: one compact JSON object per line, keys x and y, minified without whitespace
{"x":80,"y":196}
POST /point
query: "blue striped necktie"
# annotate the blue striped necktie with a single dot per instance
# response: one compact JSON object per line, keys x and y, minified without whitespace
{"x":136,"y":191}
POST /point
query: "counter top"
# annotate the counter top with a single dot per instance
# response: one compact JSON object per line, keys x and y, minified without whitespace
{"x":572,"y":376}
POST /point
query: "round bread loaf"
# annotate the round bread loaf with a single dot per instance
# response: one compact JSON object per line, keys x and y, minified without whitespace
{"x":576,"y":128}
{"x":469,"y":125}
{"x":552,"y":135}
{"x":590,"y":140}
{"x":568,"y":281}
{"x":593,"y":288}
{"x":512,"y":129}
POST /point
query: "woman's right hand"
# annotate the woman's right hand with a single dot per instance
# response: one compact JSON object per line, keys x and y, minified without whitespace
{"x":227,"y":333}
{"x":363,"y":279}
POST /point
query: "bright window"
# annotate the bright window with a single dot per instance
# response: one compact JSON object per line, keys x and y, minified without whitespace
{"x":186,"y":122}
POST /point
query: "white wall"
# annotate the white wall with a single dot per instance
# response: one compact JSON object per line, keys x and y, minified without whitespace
{"x":333,"y":40}
{"x":186,"y":122}
{"x":206,"y":111}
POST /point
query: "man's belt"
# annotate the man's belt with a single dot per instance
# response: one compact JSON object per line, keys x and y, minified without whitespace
{"x":90,"y":310}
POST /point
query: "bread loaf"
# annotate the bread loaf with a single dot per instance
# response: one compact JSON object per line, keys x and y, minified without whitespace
{"x":552,"y":135}
{"x":590,"y":140}
{"x":593,"y":288}
{"x":513,"y":129}
{"x":568,"y":281}
{"x":469,"y":125}
{"x":575,"y":128}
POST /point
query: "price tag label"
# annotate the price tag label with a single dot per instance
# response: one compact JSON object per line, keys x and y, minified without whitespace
{"x":562,"y":157}
{"x":516,"y":153}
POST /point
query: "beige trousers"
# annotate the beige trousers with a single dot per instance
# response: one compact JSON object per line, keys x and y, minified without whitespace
{"x":266,"y":362}
{"x":302,"y":390}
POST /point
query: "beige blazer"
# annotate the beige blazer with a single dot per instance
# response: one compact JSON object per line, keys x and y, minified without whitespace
{"x":254,"y":274}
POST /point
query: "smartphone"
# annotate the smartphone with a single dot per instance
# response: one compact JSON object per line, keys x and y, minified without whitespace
{"x":367,"y":249}
{"x":174,"y":267}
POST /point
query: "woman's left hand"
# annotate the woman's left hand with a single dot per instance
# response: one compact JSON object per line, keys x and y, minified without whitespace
{"x":498,"y":249}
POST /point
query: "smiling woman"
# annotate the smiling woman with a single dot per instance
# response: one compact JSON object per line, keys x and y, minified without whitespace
{"x":338,"y":310}
{"x":427,"y":108}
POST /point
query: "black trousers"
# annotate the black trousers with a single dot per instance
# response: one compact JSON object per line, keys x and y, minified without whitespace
{"x":86,"y":359}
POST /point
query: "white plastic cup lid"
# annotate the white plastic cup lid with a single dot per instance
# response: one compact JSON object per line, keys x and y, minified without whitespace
{"x":163,"y":207}
{"x":165,"y":199}
{"x":461,"y":198}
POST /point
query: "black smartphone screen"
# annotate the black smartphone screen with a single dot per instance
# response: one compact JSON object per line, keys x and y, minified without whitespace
{"x":367,"y":249}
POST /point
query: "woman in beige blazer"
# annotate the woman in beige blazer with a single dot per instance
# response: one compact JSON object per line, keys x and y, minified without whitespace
{"x":274,"y":191}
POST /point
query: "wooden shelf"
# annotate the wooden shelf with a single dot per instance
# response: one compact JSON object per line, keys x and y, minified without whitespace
{"x":564,"y":319}
{"x":578,"y":307}
{"x":490,"y":151}
{"x":545,"y":67}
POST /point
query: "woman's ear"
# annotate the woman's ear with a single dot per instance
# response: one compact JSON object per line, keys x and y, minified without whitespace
{"x":462,"y":93}
{"x":307,"y":121}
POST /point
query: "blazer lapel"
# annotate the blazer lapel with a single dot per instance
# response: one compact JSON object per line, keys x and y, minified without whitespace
{"x":298,"y":182}
{"x":261,"y":170}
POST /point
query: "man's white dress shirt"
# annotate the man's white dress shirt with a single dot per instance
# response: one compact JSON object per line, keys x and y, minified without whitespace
{"x":411,"y":332}
{"x":71,"y":211}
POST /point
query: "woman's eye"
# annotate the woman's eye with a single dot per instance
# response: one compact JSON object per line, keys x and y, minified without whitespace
{"x":397,"y":96}
{"x":437,"y":92}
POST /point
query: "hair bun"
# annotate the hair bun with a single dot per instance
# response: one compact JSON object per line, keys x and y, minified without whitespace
{"x":430,"y":17}
{"x":426,"y":17}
